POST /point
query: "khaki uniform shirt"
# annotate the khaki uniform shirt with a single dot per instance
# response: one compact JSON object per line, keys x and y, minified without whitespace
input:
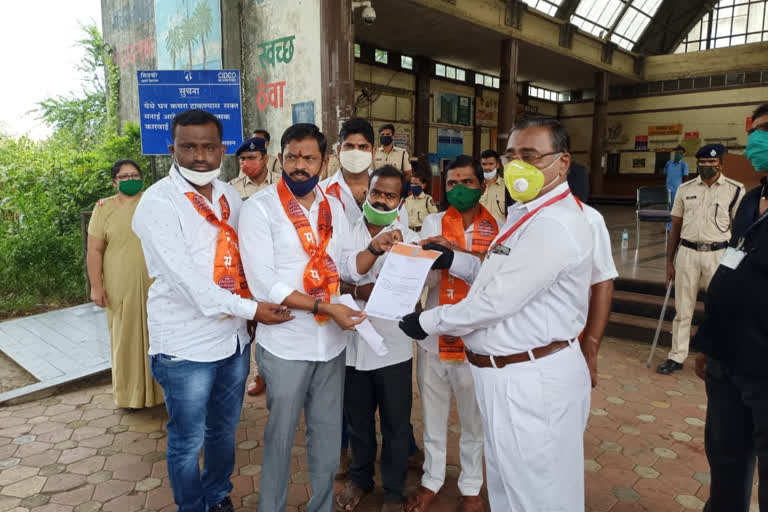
{"x":707,"y":212}
{"x":418,"y":208}
{"x":246,"y":188}
{"x":397,"y":157}
{"x":274,"y":168}
{"x":493,"y":200}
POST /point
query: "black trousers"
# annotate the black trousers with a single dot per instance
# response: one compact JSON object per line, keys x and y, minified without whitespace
{"x":389,"y":390}
{"x":736,"y":433}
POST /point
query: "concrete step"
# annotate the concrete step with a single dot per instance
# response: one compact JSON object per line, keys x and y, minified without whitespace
{"x":640,"y":328}
{"x":644,"y":305}
{"x":648,"y":288}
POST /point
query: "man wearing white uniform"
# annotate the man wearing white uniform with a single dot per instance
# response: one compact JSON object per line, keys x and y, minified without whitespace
{"x":199,"y":350}
{"x":292,"y":237}
{"x":442,"y":368}
{"x":375,"y":381}
{"x":526,"y":306}
{"x":356,"y":154}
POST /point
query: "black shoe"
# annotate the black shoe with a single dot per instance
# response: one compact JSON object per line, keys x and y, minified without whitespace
{"x":224,"y":506}
{"x":669,"y":367}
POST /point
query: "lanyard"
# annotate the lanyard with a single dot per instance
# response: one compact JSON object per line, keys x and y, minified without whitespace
{"x":530,"y":214}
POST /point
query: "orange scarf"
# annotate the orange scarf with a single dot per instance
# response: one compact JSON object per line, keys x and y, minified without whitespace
{"x":335,"y":191}
{"x":321,"y":278}
{"x":227,"y":267}
{"x":453,"y":289}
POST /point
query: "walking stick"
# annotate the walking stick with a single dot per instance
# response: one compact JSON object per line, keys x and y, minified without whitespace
{"x":658,"y":327}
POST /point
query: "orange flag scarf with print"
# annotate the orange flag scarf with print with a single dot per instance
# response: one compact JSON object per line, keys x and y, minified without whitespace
{"x":453,"y":289}
{"x":321,"y":278}
{"x":227,"y":267}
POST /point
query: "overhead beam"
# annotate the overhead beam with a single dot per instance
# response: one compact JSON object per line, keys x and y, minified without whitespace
{"x":567,"y":9}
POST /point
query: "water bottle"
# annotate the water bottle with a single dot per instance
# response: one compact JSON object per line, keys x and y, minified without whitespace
{"x":625,"y":239}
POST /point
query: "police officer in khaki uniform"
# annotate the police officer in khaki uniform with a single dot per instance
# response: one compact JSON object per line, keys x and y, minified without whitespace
{"x":702,"y":214}
{"x":388,"y":154}
{"x":273,"y":165}
{"x":254,"y":173}
{"x":419,"y":204}
{"x":493,"y":198}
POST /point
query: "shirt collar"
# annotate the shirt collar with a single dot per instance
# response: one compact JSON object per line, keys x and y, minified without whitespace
{"x":532,"y":205}
{"x":719,"y":181}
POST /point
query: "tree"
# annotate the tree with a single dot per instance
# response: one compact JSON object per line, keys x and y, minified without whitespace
{"x":203,"y":21}
{"x":174,"y":42}
{"x":189,"y":32}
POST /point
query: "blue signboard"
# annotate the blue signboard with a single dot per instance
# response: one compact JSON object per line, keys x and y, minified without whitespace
{"x":303,"y":112}
{"x":163,"y":94}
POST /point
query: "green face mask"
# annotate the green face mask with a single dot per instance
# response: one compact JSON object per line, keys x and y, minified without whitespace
{"x":678,"y":157}
{"x":130,"y":187}
{"x":463,"y":198}
{"x":377,"y":217}
{"x":757,"y":150}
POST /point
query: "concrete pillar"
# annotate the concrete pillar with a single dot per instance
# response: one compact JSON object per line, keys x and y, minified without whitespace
{"x":599,"y":133}
{"x":477,"y":131}
{"x":507,"y":91}
{"x":423,"y":67}
{"x":337,"y":65}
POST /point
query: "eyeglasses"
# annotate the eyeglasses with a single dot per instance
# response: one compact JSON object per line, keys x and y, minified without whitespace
{"x":528,"y":158}
{"x":126,"y":177}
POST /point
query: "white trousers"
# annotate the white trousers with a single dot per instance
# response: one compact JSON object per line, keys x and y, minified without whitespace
{"x":534,"y":415}
{"x":436,"y":381}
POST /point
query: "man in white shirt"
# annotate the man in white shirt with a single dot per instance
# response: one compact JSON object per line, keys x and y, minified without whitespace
{"x":372,"y":381}
{"x":527,"y":304}
{"x":442,"y":369}
{"x":356,"y":155}
{"x":197,"y":310}
{"x":293,"y":239}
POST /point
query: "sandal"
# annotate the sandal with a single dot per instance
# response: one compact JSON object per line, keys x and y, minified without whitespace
{"x":257,"y":387}
{"x":420,"y":500}
{"x":349,"y":497}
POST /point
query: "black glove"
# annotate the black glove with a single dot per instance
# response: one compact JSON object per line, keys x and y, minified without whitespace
{"x":444,"y":260}
{"x":410,"y":325}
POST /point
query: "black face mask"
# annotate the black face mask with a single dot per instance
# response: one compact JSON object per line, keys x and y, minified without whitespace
{"x":385,"y":140}
{"x":707,"y":171}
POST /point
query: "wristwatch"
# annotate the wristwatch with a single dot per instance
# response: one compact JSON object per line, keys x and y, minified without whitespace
{"x":374,"y":251}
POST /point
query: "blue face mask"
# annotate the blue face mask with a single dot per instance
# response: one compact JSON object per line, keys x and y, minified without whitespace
{"x":301,"y":188}
{"x":417,"y":190}
{"x":757,"y":150}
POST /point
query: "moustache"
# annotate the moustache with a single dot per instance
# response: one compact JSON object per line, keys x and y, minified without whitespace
{"x":299,"y":173}
{"x":380,"y":206}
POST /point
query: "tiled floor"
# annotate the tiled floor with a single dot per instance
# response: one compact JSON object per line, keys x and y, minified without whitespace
{"x":77,"y":452}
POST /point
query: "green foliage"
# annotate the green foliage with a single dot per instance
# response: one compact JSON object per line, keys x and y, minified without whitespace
{"x":45,"y":185}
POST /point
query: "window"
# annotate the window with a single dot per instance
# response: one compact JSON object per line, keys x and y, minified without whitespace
{"x":461,"y":75}
{"x":496,"y":83}
{"x":381,"y":56}
{"x":406,"y":62}
{"x":440,"y":69}
{"x":450,"y":72}
{"x":478,"y":78}
{"x":733,"y":22}
{"x":546,"y":94}
{"x":620,"y":21}
{"x":488,"y":81}
{"x":357,"y":51}
{"x":545,"y":6}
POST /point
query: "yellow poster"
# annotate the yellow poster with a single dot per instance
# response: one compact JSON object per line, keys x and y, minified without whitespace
{"x":665,"y":129}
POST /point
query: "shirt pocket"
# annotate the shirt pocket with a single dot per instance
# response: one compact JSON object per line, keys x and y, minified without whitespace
{"x":691,"y":203}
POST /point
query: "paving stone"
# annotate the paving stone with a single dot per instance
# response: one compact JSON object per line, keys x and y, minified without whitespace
{"x":36,"y":500}
{"x":625,"y":494}
{"x":148,"y":484}
{"x":672,"y":392}
{"x":629,"y":430}
{"x":252,"y":500}
{"x":592,"y":466}
{"x":89,"y":506}
{"x":598,"y":412}
{"x":99,"y":477}
{"x":9,"y":463}
{"x":7,"y":503}
{"x":75,"y":496}
{"x":703,"y":478}
{"x":52,"y":469}
{"x":24,"y":439}
{"x":665,"y":453}
{"x":126,"y":503}
{"x":248,"y":445}
{"x":696,"y":422}
{"x":25,"y":488}
{"x":111,"y":489}
{"x":76,"y":454}
{"x":660,"y":405}
{"x":615,"y":400}
{"x":63,"y":482}
{"x":65,"y":445}
{"x":153,"y":457}
{"x":16,"y":474}
{"x":87,"y":466}
{"x":680,"y":436}
{"x":42,"y":459}
{"x":689,"y":502}
{"x":646,"y":418}
{"x":117,"y":429}
{"x":610,"y":446}
{"x":157,"y":435}
{"x":250,"y":469}
{"x":646,"y":472}
{"x":297,"y":450}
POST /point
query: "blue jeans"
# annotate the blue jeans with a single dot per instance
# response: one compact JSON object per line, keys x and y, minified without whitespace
{"x":203,"y":402}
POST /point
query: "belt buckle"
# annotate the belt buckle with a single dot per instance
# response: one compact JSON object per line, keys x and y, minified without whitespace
{"x":704,"y":247}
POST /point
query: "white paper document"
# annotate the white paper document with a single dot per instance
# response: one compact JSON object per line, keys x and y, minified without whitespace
{"x":365,"y":328}
{"x":399,"y":285}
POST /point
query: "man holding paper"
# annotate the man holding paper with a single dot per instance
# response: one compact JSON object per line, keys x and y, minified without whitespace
{"x":519,"y":322}
{"x":442,"y":368}
{"x":378,"y":381}
{"x":293,"y":239}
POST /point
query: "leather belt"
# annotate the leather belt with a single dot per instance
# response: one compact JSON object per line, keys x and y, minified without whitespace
{"x":482,"y":361}
{"x":704,"y":247}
